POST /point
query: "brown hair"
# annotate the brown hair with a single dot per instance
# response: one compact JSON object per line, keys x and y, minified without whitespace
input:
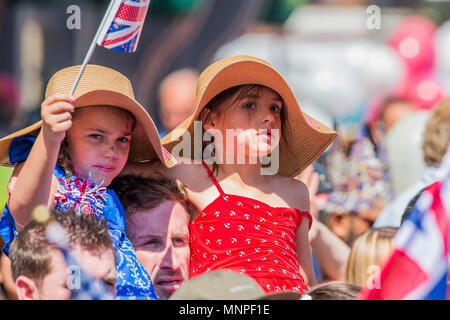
{"x":389,"y":101}
{"x":437,"y":134}
{"x":64,"y":160}
{"x":217,"y":105}
{"x":31,"y":252}
{"x":411,"y":205}
{"x":145,"y":193}
{"x":369,"y":249}
{"x":334,"y":291}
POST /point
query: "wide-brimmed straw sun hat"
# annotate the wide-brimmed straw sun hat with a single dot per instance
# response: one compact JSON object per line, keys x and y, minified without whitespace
{"x":306,"y":138}
{"x":102,"y":86}
{"x":227,"y":285}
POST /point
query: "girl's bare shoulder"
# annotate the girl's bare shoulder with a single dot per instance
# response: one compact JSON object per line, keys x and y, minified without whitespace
{"x":293,"y":191}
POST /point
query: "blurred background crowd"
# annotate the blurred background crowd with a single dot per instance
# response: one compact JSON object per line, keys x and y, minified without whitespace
{"x":372,"y":70}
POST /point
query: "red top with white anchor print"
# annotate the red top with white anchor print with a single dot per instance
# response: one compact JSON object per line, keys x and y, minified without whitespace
{"x":244,"y":235}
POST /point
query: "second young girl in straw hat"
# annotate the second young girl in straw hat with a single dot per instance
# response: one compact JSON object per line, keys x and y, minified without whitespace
{"x":79,"y":147}
{"x":253,"y":215}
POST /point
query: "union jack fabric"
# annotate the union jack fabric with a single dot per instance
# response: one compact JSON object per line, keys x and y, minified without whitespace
{"x":418,"y":266}
{"x":123,"y":25}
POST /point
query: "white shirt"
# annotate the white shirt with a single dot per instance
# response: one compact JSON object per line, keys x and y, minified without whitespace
{"x":392,"y":213}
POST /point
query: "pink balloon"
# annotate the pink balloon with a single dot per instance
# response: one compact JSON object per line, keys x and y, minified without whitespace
{"x":422,"y":89}
{"x":413,"y":40}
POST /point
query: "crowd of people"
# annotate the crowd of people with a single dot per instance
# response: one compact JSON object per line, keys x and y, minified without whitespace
{"x":239,"y":195}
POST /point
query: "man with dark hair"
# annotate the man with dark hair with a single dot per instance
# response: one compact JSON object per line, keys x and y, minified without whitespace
{"x":39,"y":268}
{"x":336,"y":290}
{"x":157,"y":224}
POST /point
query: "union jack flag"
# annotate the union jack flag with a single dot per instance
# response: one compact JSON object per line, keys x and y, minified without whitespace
{"x":418,"y":266}
{"x":123,"y":25}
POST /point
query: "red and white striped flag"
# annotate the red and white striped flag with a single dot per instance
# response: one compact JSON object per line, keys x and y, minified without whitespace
{"x":123,"y":25}
{"x":418,"y":266}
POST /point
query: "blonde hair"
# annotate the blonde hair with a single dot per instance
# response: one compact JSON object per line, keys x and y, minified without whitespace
{"x":437,"y":134}
{"x":369,"y":249}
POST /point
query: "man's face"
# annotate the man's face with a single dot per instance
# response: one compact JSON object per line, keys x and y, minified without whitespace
{"x":396,"y":112}
{"x":177,"y":98}
{"x":348,"y":226}
{"x":100,"y":264}
{"x":176,"y":109}
{"x":55,"y":285}
{"x":160,"y":237}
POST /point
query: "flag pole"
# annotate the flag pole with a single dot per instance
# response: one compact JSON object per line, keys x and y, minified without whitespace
{"x":93,"y":44}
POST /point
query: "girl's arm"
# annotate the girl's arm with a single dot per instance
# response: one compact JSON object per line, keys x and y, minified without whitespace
{"x":13,"y":179}
{"x":297,"y":194}
{"x":304,"y":255}
{"x":34,"y":182}
{"x":331,"y":252}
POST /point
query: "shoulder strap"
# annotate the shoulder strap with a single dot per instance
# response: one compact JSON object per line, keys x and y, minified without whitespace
{"x":211,"y":176}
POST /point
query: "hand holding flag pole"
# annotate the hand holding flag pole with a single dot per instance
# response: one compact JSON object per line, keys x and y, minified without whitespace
{"x":119,"y":29}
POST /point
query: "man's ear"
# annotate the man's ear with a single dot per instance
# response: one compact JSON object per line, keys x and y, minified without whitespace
{"x":26,"y":288}
{"x":339,"y":224}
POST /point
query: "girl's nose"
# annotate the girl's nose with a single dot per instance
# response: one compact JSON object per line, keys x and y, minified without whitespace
{"x":268,"y":117}
{"x":111,"y":151}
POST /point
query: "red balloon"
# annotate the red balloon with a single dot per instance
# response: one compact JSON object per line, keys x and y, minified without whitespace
{"x":413,"y":40}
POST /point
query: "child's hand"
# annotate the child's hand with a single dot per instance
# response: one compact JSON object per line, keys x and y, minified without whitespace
{"x":56,"y":112}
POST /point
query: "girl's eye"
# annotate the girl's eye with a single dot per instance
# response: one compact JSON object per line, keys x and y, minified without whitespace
{"x":275,"y":108}
{"x":249,"y":106}
{"x":95,"y":136}
{"x":123,"y":139}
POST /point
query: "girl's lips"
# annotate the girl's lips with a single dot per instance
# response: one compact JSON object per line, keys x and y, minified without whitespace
{"x":105,"y":168}
{"x":267,"y":134}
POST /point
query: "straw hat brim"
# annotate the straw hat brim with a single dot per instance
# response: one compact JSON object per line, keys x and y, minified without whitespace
{"x":306,"y":138}
{"x":145,"y":143}
{"x":283,"y":295}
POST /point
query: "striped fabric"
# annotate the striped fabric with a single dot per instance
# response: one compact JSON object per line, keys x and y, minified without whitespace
{"x":418,"y":267}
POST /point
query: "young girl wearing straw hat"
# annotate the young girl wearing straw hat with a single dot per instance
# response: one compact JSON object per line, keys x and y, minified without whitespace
{"x":79,"y":147}
{"x":252,"y":218}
